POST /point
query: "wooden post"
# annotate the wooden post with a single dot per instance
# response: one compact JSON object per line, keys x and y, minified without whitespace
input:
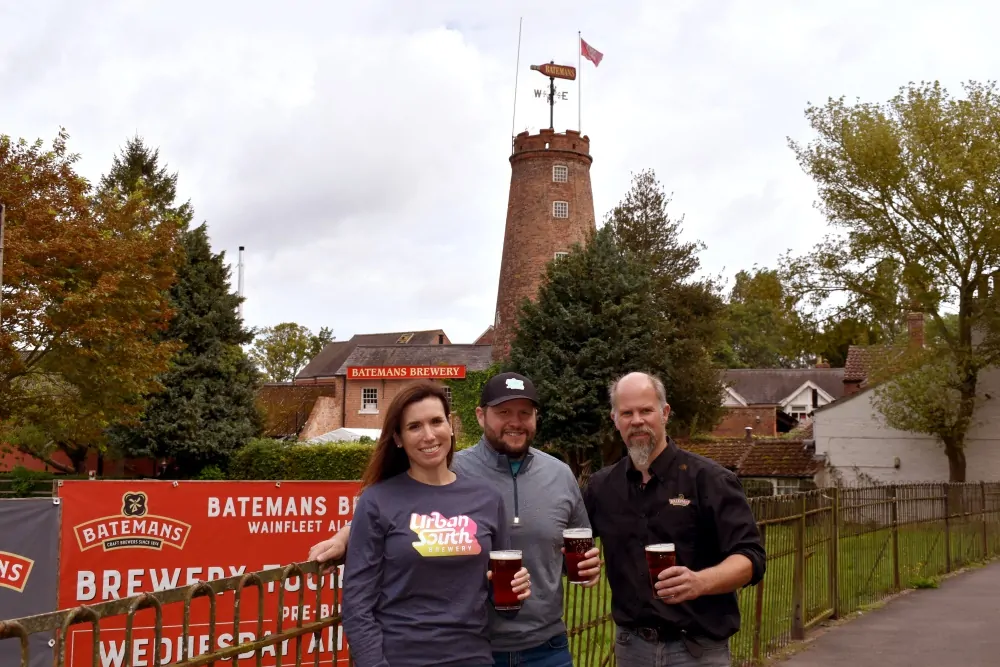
{"x":834,"y":574}
{"x":799,"y":576}
{"x":986,"y":524}
{"x":947,"y":527}
{"x":894,"y":508}
{"x":758,"y":613}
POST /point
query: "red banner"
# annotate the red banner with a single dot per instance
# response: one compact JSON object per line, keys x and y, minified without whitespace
{"x":405,"y":372}
{"x":123,"y":538}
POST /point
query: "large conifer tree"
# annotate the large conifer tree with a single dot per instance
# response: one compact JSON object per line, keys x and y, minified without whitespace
{"x":207,"y":407}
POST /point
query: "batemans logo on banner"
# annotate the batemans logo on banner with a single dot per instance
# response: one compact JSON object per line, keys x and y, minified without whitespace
{"x":133,"y":527}
{"x":123,"y":538}
{"x":14,"y":571}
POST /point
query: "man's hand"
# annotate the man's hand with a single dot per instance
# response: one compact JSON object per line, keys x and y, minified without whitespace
{"x":589,"y":567}
{"x":330,"y":549}
{"x":679,"y":584}
{"x":521,"y":583}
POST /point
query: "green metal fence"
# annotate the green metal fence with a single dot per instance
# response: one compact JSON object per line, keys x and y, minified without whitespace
{"x":830,"y":552}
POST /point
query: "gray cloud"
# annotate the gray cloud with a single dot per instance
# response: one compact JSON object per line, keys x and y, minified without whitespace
{"x":360,"y":151}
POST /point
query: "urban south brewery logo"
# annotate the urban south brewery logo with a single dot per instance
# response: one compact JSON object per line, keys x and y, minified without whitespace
{"x":14,"y":571}
{"x":133,"y":528}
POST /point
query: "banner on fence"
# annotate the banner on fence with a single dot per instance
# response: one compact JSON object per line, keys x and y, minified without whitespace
{"x":123,"y":538}
{"x":29,"y":566}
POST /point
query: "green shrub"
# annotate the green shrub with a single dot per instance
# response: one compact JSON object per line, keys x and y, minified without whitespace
{"x":211,"y":472}
{"x":24,"y":482}
{"x":273,"y":459}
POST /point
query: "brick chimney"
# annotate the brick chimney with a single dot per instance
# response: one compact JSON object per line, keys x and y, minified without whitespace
{"x":915,"y":327}
{"x":822,"y":363}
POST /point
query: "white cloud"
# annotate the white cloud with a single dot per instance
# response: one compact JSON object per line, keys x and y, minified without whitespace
{"x":360,"y":151}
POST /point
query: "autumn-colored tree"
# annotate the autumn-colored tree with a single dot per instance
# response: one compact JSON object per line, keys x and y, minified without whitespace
{"x":283,"y":350}
{"x":84,"y":284}
{"x":911,"y":184}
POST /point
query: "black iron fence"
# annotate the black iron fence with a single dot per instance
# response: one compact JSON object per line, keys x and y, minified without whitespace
{"x":830,"y":552}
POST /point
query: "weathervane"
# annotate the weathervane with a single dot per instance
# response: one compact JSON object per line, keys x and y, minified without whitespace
{"x":554,"y":72}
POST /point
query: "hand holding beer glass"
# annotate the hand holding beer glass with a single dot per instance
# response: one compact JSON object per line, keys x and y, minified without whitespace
{"x":510,"y":581}
{"x":583,"y":562}
{"x":671,"y":584}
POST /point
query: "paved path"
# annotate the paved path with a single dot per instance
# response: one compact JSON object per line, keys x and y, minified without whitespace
{"x":956,"y":624}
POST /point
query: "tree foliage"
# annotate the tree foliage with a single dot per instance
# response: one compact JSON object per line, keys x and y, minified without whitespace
{"x":764,"y":323}
{"x":84,"y":281}
{"x":206,"y":409}
{"x":465,"y":395}
{"x":625,"y":301}
{"x":283,"y":350}
{"x":910,"y":188}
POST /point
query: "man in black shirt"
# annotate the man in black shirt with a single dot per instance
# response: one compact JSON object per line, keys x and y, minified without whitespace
{"x":662,"y":494}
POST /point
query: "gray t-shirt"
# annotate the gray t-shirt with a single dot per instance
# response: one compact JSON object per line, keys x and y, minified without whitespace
{"x":415,"y":587}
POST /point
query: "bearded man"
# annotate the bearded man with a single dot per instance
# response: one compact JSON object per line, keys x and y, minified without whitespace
{"x":542,"y":498}
{"x":681,"y":504}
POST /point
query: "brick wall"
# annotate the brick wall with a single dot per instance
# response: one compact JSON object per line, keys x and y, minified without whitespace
{"x":532,"y":235}
{"x":736,"y":420}
{"x":326,"y":416}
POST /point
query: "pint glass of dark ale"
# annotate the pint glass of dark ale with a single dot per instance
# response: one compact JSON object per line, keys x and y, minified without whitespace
{"x":504,"y":565}
{"x":577,"y":542}
{"x":659,"y":557}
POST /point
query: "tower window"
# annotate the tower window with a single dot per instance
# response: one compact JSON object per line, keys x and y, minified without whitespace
{"x":560,"y":173}
{"x":560,"y":209}
{"x":561,"y":255}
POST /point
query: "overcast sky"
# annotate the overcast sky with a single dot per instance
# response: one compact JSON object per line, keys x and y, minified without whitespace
{"x":359,"y":149}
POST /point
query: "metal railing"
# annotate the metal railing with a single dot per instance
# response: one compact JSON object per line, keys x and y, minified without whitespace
{"x":830,"y":552}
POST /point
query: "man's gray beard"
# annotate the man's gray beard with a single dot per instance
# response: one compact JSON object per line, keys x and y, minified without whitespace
{"x":640,"y":453}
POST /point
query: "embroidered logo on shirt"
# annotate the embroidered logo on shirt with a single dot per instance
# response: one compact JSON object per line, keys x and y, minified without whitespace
{"x":438,"y":535}
{"x":513,"y":383}
{"x":680,"y":500}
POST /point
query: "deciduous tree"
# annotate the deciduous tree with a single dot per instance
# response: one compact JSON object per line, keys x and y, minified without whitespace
{"x":84,"y":286}
{"x":283,"y":350}
{"x":910,"y":188}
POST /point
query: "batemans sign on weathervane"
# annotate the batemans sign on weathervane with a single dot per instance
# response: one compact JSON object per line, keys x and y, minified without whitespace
{"x":556,"y":71}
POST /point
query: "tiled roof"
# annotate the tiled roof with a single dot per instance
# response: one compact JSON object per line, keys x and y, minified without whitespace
{"x":858,"y":363}
{"x":286,"y":407}
{"x":473,"y":357}
{"x":760,"y":458}
{"x":331,"y":357}
{"x":770,"y":386}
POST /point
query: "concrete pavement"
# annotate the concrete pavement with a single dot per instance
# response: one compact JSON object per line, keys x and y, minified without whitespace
{"x":956,"y":624}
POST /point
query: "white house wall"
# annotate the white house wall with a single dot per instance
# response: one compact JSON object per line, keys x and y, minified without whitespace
{"x":861,"y":448}
{"x":804,"y":397}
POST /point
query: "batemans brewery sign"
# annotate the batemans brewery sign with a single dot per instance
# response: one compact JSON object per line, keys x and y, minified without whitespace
{"x":405,"y":372}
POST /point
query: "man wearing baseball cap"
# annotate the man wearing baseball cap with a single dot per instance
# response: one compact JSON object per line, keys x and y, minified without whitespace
{"x":542,"y":498}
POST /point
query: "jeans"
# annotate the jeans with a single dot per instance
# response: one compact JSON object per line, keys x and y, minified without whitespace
{"x":631,"y":650}
{"x":551,"y":653}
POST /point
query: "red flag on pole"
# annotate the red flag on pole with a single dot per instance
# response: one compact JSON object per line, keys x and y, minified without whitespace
{"x":590,"y":53}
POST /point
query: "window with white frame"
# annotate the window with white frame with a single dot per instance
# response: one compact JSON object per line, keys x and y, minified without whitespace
{"x":786,"y":486}
{"x":560,"y":209}
{"x":369,"y":399}
{"x":560,"y":173}
{"x":800,"y":412}
{"x":447,"y":392}
{"x":561,"y":255}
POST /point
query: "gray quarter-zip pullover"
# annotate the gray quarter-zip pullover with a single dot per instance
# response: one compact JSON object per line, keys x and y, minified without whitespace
{"x":541,"y":500}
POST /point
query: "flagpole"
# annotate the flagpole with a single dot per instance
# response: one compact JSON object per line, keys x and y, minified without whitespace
{"x":579,"y":83}
{"x":517,"y":68}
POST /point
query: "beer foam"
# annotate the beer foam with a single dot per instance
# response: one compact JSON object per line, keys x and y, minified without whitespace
{"x":505,"y":555}
{"x":660,"y":548}
{"x":578,"y":533}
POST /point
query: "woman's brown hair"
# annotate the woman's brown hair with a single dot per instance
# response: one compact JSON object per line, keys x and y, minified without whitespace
{"x":388,"y":460}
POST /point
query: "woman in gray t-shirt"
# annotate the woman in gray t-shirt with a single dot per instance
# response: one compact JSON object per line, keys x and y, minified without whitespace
{"x":415,"y":575}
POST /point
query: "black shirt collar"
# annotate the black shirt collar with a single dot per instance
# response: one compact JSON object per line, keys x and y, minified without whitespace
{"x":658,"y":467}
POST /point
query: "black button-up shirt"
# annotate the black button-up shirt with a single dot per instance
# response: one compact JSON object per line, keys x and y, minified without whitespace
{"x":689,"y":500}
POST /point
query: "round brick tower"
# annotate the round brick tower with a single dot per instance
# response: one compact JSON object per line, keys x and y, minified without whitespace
{"x":551,"y":207}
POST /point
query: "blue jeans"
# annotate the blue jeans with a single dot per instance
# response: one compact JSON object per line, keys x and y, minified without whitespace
{"x":631,"y":650}
{"x":551,"y":653}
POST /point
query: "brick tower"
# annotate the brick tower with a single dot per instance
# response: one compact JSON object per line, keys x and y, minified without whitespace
{"x":551,"y":207}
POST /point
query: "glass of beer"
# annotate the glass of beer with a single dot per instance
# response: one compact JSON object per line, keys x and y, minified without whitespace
{"x":577,"y":542}
{"x":659,"y":557}
{"x":504,"y":565}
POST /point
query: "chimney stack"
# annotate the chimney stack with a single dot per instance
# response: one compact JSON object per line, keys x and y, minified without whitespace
{"x":822,"y":363}
{"x":239,"y":288}
{"x":915,"y":327}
